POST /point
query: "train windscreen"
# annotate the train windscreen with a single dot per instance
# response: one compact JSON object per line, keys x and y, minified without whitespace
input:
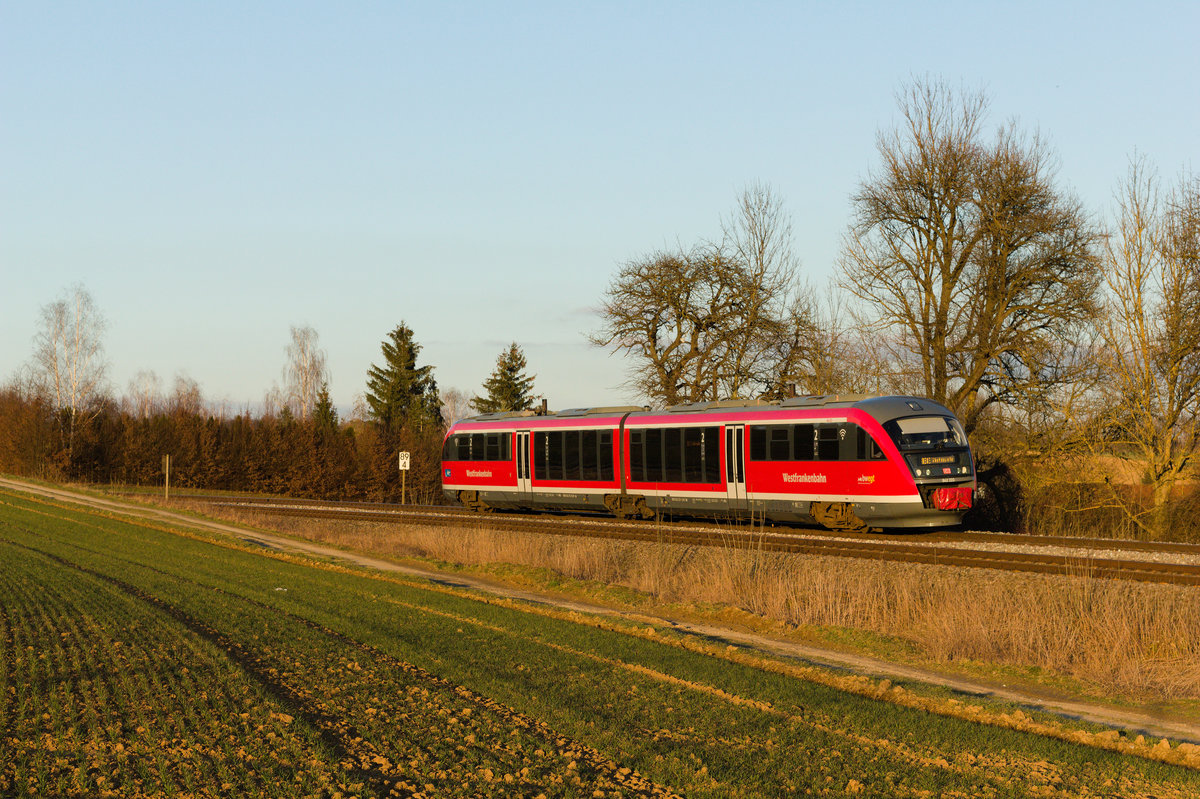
{"x":923,"y":433}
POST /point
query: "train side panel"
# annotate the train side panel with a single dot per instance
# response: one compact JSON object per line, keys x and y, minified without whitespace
{"x":567,"y":464}
{"x":885,"y":461}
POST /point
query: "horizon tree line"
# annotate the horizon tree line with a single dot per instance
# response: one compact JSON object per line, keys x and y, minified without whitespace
{"x":968,"y":274}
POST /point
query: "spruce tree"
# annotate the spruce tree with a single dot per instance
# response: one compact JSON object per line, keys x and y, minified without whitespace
{"x":324,"y":415}
{"x":399,"y":392}
{"x":508,"y":389}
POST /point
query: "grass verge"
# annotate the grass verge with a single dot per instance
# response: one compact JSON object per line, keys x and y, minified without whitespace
{"x":1125,"y":643}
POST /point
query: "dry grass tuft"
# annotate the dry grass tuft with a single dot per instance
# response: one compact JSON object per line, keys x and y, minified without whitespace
{"x":1140,"y":640}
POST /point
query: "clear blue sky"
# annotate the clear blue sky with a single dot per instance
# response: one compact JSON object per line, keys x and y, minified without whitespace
{"x":216,"y":172}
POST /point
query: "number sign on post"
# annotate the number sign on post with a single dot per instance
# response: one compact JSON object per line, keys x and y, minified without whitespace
{"x":404,"y":460}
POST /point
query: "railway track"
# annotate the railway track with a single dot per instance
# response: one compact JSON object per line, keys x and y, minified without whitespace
{"x":1098,"y":558}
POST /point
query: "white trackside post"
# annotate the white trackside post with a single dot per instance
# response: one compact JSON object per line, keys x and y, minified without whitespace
{"x":403,"y":462}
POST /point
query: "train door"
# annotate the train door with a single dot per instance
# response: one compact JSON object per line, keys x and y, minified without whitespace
{"x":524,"y":469}
{"x":735,"y":465}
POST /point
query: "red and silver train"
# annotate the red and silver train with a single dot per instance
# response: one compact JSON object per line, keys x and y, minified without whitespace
{"x":847,"y":462}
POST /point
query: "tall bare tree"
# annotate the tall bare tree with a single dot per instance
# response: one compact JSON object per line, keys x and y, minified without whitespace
{"x":456,"y":404}
{"x":768,"y":348}
{"x":662,"y":310}
{"x":68,"y":360}
{"x":145,"y":394}
{"x":969,"y":254}
{"x":723,"y":319}
{"x":1152,"y":335}
{"x":305,"y":371}
{"x":839,"y":359}
{"x":186,"y":398}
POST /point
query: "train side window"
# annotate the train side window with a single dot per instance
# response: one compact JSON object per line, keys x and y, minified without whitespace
{"x":828,"y":445}
{"x":554,"y":455}
{"x":804,"y":436}
{"x":540,"y":449}
{"x":478,"y":445}
{"x":653,"y":456}
{"x":867,"y":448}
{"x":637,"y":456}
{"x":711,"y":452}
{"x":506,"y":446}
{"x":450,"y":448}
{"x":606,"y":456}
{"x":588,"y":465}
{"x":547,"y":459}
{"x":758,"y":443}
{"x":492,"y":452}
{"x":673,"y":455}
{"x":847,"y":441}
{"x":693,"y":455}
{"x":779,"y":445}
{"x":571,"y":455}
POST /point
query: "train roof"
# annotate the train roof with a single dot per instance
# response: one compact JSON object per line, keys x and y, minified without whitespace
{"x":882,"y":408}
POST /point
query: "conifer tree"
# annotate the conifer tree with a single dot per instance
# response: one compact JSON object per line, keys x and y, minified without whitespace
{"x":324,"y":415}
{"x":399,"y":392}
{"x":509,"y":388}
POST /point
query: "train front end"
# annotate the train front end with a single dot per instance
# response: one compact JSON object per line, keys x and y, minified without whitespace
{"x":930,"y":447}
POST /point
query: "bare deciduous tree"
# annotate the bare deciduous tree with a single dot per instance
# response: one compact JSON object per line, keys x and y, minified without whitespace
{"x":273,"y":402}
{"x":304,"y":372}
{"x":768,"y":348}
{"x":359,"y":410}
{"x":145,"y":394}
{"x":662,"y":310}
{"x":838,"y":358}
{"x":187,"y":398}
{"x":720,"y":320}
{"x":1152,"y":335}
{"x":68,"y":359}
{"x":456,"y":404}
{"x":970,"y":253}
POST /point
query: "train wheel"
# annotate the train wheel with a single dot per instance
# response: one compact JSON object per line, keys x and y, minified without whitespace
{"x":839,"y":516}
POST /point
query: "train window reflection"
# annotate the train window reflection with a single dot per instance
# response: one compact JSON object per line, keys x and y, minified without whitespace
{"x":916,"y":433}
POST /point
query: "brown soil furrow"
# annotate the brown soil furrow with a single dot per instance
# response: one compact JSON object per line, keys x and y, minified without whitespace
{"x":335,"y":733}
{"x":354,"y":750}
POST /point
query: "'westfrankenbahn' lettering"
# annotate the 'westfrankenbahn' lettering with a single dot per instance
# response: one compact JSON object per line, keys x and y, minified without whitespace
{"x":804,"y":478}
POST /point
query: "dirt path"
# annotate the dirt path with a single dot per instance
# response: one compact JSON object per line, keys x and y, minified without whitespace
{"x":1132,"y":721}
